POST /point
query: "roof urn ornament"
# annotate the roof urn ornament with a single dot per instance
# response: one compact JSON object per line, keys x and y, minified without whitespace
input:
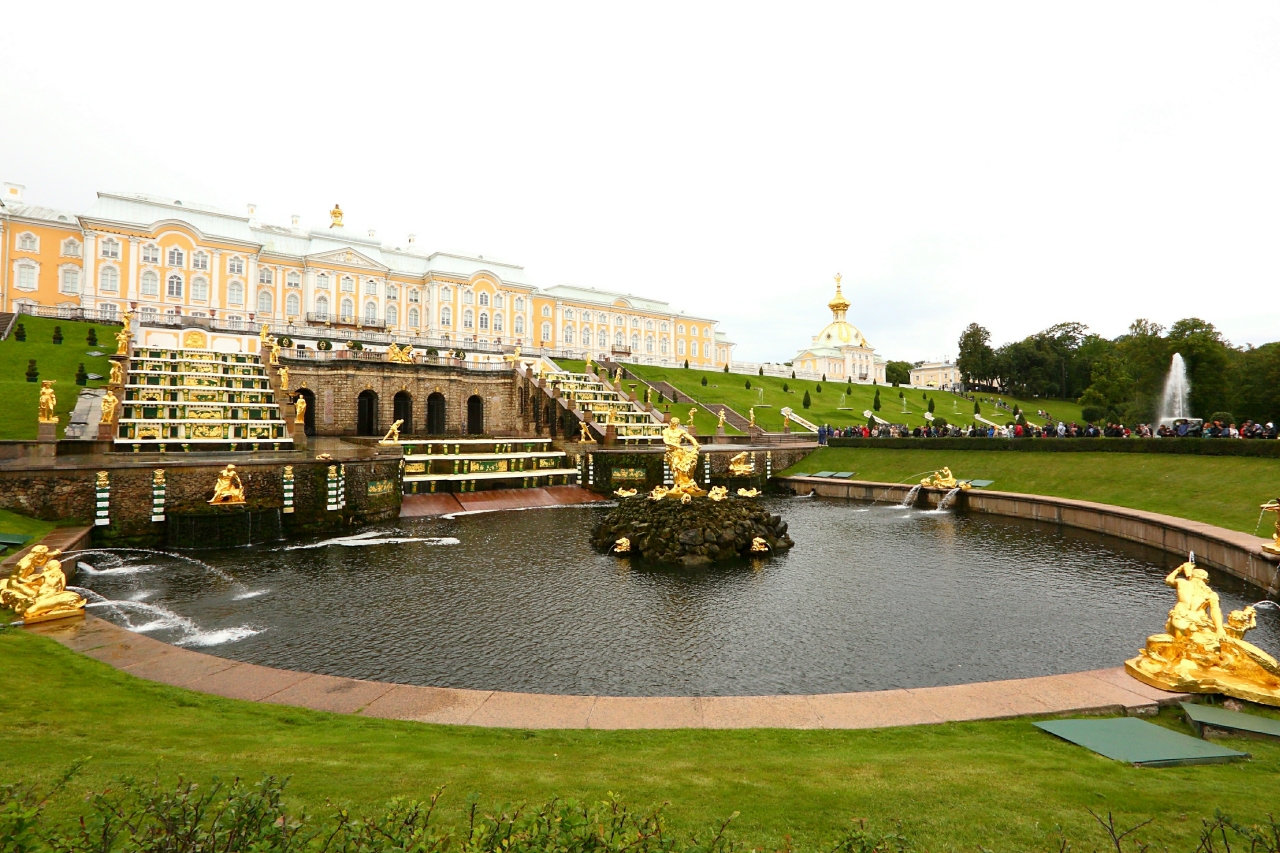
{"x":335,"y":216}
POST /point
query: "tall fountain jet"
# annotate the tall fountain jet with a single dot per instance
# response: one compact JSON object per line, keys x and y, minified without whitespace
{"x":1175,"y":403}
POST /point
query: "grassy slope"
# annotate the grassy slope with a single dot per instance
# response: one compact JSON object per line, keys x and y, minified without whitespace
{"x":58,"y":362}
{"x":1004,"y":785}
{"x":11,"y":522}
{"x":730,"y":389}
{"x":1225,"y":491}
{"x":704,"y":422}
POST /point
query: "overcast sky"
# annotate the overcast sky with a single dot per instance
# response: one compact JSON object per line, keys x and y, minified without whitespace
{"x":1015,"y":165}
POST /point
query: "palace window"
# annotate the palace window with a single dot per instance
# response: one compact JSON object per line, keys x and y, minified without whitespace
{"x":706,"y":332}
{"x":648,"y":344}
{"x":446,"y":294}
{"x":28,"y":242}
{"x":497,"y":300}
{"x":235,"y":266}
{"x":393,"y":292}
{"x":199,"y":289}
{"x":292,"y":279}
{"x":264,"y":275}
{"x":603,"y":338}
{"x":393,"y":316}
{"x":664,"y":346}
{"x":70,"y":281}
{"x":370,"y":287}
{"x":27,"y":274}
{"x":519,"y":324}
{"x":546,"y":332}
{"x":292,"y":304}
{"x":617,"y":320}
{"x":111,"y":248}
{"x":71,"y":248}
{"x":648,"y":324}
{"x":413,"y":318}
{"x":617,"y":339}
{"x":546,"y":310}
{"x":693,"y":349}
{"x":322,"y":305}
{"x":484,"y":321}
{"x":679,"y":347}
{"x":635,"y":343}
{"x":468,"y":319}
{"x":519,"y":303}
{"x":264,"y":302}
{"x":176,"y":257}
{"x":150,"y":284}
{"x":568,"y":313}
{"x":484,"y":299}
{"x":199,"y":261}
{"x":413,"y":296}
{"x":348,"y":284}
{"x":680,"y":331}
{"x":151,"y":254}
{"x":322,"y":282}
{"x":109,"y":280}
{"x":371,"y":312}
{"x":497,"y":322}
{"x":568,"y":335}
{"x":635,"y":323}
{"x":174,"y":286}
{"x":446,"y":316}
{"x":468,"y":298}
{"x":664,"y":327}
{"x":235,"y":293}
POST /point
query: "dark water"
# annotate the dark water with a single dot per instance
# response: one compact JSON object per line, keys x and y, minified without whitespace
{"x":870,"y":598}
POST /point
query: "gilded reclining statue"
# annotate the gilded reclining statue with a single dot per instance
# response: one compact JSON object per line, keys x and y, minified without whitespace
{"x":37,"y":589}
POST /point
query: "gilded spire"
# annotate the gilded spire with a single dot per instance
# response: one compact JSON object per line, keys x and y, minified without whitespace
{"x":838,"y":304}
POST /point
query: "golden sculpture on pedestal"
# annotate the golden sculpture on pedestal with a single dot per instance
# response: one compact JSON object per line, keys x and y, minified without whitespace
{"x":718,"y":493}
{"x":752,"y":412}
{"x":47,"y":413}
{"x":37,"y":589}
{"x":617,"y":377}
{"x":284,"y":379}
{"x":393,"y":434}
{"x":117,"y":373}
{"x":399,"y":355}
{"x":681,"y":459}
{"x":741,"y":465}
{"x":275,"y":351}
{"x":228,"y":490}
{"x":585,"y":438}
{"x":720,"y":423}
{"x":586,"y":368}
{"x":1197,"y":653}
{"x":122,"y":340}
{"x":942,"y":479}
{"x":300,"y":409}
{"x":335,"y":217}
{"x":1274,"y":546}
{"x":110,"y":403}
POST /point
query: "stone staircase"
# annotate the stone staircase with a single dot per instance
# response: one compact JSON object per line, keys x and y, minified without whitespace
{"x":675,"y":395}
{"x":467,"y":464}
{"x":7,"y":321}
{"x":603,"y":404}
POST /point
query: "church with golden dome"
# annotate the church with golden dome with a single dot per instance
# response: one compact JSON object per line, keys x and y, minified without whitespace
{"x":840,"y":351}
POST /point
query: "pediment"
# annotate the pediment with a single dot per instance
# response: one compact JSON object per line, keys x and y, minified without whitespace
{"x":346,"y":257}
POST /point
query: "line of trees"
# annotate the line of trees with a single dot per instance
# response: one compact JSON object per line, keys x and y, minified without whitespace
{"x":1122,"y":379}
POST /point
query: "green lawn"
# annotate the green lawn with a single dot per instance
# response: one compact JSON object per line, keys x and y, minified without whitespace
{"x":1225,"y":491}
{"x":11,"y":522}
{"x":1002,"y":785}
{"x":832,"y":405}
{"x":54,"y":361}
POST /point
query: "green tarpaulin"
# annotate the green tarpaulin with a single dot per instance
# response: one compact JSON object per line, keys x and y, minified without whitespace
{"x":1138,"y":742}
{"x":1220,"y":718}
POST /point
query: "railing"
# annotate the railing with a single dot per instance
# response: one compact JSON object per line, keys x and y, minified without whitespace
{"x":347,"y":320}
{"x":364,"y":355}
{"x":70,"y":312}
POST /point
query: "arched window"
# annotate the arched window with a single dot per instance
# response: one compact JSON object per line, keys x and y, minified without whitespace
{"x":568,"y":335}
{"x":484,"y":320}
{"x":519,"y":325}
{"x":617,"y":339}
{"x":71,"y":248}
{"x":446,"y":294}
{"x":111,"y":248}
{"x":635,"y":343}
{"x":265,"y":275}
{"x":468,"y":319}
{"x":446,"y":316}
{"x":371,"y":312}
{"x":497,"y":300}
{"x":664,"y":327}
{"x":468,"y":298}
{"x":519,"y":303}
{"x":322,"y":304}
{"x":348,"y":284}
{"x":679,"y":347}
{"x":199,"y":288}
{"x":150,"y":253}
{"x":413,"y":317}
{"x":497,"y":323}
{"x":413,"y":296}
{"x":546,"y":310}
{"x":693,"y":349}
{"x":264,"y":301}
{"x":370,"y":287}
{"x":648,"y":343}
{"x":292,"y":305}
{"x":617,"y":320}
{"x":27,"y":242}
{"x":322,"y":282}
{"x":199,"y":261}
{"x":174,"y":286}
{"x":680,"y":331}
{"x":546,"y":332}
{"x":292,"y":279}
{"x":664,"y":346}
{"x":635,"y":322}
{"x":603,"y":338}
{"x":235,"y":265}
{"x":393,"y":292}
{"x":484,"y":298}
{"x":177,"y":257}
{"x":348,"y":310}
{"x":648,"y":324}
{"x":235,"y":293}
{"x":568,"y":313}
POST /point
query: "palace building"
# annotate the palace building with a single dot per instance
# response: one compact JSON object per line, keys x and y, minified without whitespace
{"x":160,"y":256}
{"x":840,"y":351}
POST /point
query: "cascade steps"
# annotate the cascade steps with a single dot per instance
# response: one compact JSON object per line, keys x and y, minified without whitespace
{"x":469,"y":464}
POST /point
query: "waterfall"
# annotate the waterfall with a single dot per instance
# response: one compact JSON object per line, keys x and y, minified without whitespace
{"x":1174,"y":402}
{"x":948,"y":499}
{"x":910,"y":499}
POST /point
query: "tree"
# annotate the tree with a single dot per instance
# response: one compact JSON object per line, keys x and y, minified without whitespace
{"x":1209,"y":362}
{"x":848,"y":389}
{"x":785,"y":388}
{"x":704,"y":382}
{"x":977,"y":410}
{"x":92,"y":338}
{"x":793,"y":373}
{"x":1109,"y":393}
{"x":748,"y":384}
{"x":726,"y":367}
{"x":875,"y":404}
{"x":57,"y":334}
{"x":762,"y":370}
{"x":824,"y":377}
{"x":931,"y":405}
{"x":818,"y":388}
{"x":686,"y":364}
{"x":806,"y":402}
{"x":976,"y":360}
{"x":33,"y":375}
{"x":20,"y":334}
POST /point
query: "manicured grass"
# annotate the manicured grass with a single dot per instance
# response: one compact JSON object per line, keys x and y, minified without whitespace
{"x":54,"y":361}
{"x":1225,"y":491}
{"x":11,"y":522}
{"x":999,"y":785}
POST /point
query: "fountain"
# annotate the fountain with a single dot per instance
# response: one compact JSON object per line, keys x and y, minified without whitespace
{"x":910,"y":500}
{"x":948,"y":499}
{"x":1175,"y":401}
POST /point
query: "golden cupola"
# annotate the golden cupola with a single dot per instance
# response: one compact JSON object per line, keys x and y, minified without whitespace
{"x":838,"y":304}
{"x":839,"y":333}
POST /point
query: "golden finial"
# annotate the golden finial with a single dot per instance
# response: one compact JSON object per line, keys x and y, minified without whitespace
{"x":336,"y":216}
{"x":838,"y":304}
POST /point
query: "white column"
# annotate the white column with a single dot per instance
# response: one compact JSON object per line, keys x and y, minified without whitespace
{"x":277,"y":282}
{"x":90,"y":270}
{"x":306,"y":294}
{"x":131,"y":292}
{"x":251,"y":287}
{"x":215,"y":281}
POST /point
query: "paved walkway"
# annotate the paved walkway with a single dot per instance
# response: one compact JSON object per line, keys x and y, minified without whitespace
{"x":62,"y":538}
{"x":1097,"y":691}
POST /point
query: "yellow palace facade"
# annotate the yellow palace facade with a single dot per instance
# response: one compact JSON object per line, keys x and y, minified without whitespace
{"x":159,"y":256}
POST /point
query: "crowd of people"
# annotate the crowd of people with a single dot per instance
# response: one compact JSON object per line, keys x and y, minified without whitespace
{"x":1062,"y":429}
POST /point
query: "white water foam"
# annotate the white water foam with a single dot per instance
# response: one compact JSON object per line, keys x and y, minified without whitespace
{"x":119,"y":570}
{"x":353,"y":542}
{"x":217,"y":638}
{"x":253,"y":593}
{"x":602,"y":504}
{"x":164,"y":619}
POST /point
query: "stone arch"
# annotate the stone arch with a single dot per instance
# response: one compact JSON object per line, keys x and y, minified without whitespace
{"x":475,"y":415}
{"x":309,"y":416}
{"x":437,"y":411}
{"x":367,"y":413}
{"x":402,"y":410}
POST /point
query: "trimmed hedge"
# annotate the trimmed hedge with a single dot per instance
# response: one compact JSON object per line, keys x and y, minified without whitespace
{"x":1191,"y":446}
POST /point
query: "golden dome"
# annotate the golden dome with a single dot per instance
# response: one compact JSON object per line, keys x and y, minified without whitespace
{"x":838,"y":303}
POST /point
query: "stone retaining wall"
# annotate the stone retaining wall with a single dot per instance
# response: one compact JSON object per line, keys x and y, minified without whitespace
{"x":1236,"y":553}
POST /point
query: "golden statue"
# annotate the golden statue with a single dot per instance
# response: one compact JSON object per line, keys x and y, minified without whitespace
{"x":658,"y":493}
{"x":399,"y":355}
{"x":586,"y":368}
{"x":752,"y":412}
{"x":718,"y":493}
{"x":264,"y":335}
{"x":284,"y":378}
{"x":617,"y":377}
{"x":943,"y":480}
{"x":110,"y":403}
{"x":122,"y":340}
{"x":1197,"y":653}
{"x":741,"y":466}
{"x":117,"y":373}
{"x":749,"y":493}
{"x":300,"y":409}
{"x":759,"y":545}
{"x":393,"y":434}
{"x":586,"y":434}
{"x":625,"y":493}
{"x":47,"y":413}
{"x":37,"y":589}
{"x":228,"y":490}
{"x":682,"y":460}
{"x":335,"y":217}
{"x":1273,"y":547}
{"x":647,"y":389}
{"x":275,"y":351}
{"x":622,"y":546}
{"x":720,"y":424}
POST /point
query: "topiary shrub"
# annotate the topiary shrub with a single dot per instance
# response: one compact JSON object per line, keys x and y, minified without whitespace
{"x":1225,"y":417}
{"x":19,"y":332}
{"x":726,"y":367}
{"x":977,"y":410}
{"x":286,"y":342}
{"x":748,"y":384}
{"x":57,"y":335}
{"x":807,"y":401}
{"x":785,"y":388}
{"x":939,"y":422}
{"x":762,"y":370}
{"x":930,"y":406}
{"x":92,"y":338}
{"x":355,"y":346}
{"x":824,"y":377}
{"x":818,"y":387}
{"x":704,"y":382}
{"x":433,"y":352}
{"x":686,"y":364}
{"x":82,"y":378}
{"x":324,"y":345}
{"x":875,"y":404}
{"x":33,"y":375}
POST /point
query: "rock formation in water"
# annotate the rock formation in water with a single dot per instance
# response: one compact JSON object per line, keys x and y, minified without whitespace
{"x":696,"y":533}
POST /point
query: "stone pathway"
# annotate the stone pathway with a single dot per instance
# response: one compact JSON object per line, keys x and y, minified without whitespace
{"x":1096,"y":691}
{"x":62,"y":538}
